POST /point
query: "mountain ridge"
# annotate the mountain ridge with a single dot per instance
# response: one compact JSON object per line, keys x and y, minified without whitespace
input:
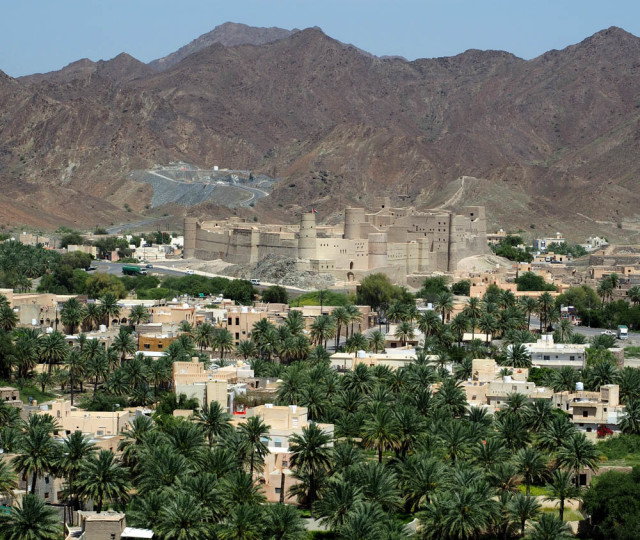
{"x":341,"y":127}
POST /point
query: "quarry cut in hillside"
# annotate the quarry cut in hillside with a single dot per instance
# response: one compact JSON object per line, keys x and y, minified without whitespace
{"x":186,"y":185}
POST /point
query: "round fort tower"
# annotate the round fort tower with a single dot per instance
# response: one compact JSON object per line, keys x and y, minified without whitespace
{"x":353,"y":217}
{"x":307,"y":236}
{"x":377,"y":250}
{"x":190,"y":226}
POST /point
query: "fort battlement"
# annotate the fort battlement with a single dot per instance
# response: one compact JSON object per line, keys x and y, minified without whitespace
{"x":397,"y":241}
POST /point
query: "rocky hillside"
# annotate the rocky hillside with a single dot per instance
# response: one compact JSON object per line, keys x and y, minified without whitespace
{"x":549,"y":142}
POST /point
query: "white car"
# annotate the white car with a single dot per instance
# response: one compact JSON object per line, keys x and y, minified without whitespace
{"x":190,"y":272}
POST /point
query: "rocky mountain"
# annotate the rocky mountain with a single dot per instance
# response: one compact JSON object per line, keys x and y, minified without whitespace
{"x":550,"y":142}
{"x":228,"y":34}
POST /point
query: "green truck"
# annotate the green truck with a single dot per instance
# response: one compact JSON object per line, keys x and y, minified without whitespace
{"x":132,"y":270}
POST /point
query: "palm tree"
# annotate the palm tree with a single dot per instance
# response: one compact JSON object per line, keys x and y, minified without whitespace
{"x":538,"y":414}
{"x":283,"y":522}
{"x":488,"y":324}
{"x":357,"y":342}
{"x":247,"y":349}
{"x":135,"y":372}
{"x":8,"y":481}
{"x":38,"y":453}
{"x":366,"y":520}
{"x":252,"y":432}
{"x":341,"y":317}
{"x":630,"y":421}
{"x":322,"y":329}
{"x":546,"y":305}
{"x":549,"y":527}
{"x":30,"y":520}
{"x":109,"y":307}
{"x":91,"y":315}
{"x":183,"y":517}
{"x":139,"y":314}
{"x":561,"y":488}
{"x":75,"y":364}
{"x":53,"y":348}
{"x":294,"y":322}
{"x":634,"y":295}
{"x":97,"y":367}
{"x":75,"y":449}
{"x":628,"y":379}
{"x":523,"y":508}
{"x":473,"y":311}
{"x":204,"y":335}
{"x":404,"y":332}
{"x":71,"y":315}
{"x":380,"y":430}
{"x":8,"y":318}
{"x":124,"y":344}
{"x":338,"y":500}
{"x":243,"y":523}
{"x":444,"y":304}
{"x":559,"y":430}
{"x":310,"y":456}
{"x":421,"y":477}
{"x":459,"y":325}
{"x":223,"y":341}
{"x":215,"y":420}
{"x":103,"y":479}
{"x":531,"y":465}
{"x":429,"y":323}
{"x":529,"y":305}
{"x":355,"y":315}
{"x":376,"y":341}
{"x":565,"y":330}
{"x":518,"y":356}
{"x":578,"y":453}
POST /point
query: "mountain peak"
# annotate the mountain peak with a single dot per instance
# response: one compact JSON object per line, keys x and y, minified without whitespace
{"x":229,"y":34}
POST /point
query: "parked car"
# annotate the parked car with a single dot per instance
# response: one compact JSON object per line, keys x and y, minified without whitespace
{"x":148,"y":265}
{"x":190,"y":272}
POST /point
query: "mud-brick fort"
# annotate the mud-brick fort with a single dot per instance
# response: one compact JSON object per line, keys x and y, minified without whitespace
{"x":397,"y":241}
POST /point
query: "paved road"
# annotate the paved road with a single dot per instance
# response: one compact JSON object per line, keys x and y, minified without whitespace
{"x":115,"y":269}
{"x":634,"y":337}
{"x":165,"y":268}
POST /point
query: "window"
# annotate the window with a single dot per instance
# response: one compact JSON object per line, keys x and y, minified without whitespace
{"x":285,"y":463}
{"x":229,"y":321}
{"x":278,"y":490}
{"x":572,"y":357}
{"x":237,"y":321}
{"x":604,"y":409}
{"x":589,"y":430}
{"x":546,"y":357}
{"x":160,"y":345}
{"x":147,"y":346}
{"x":585,"y":413}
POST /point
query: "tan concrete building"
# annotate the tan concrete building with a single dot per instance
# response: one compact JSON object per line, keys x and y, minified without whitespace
{"x":397,"y":241}
{"x":590,"y":410}
{"x":283,"y":422}
{"x":158,"y":343}
{"x":96,"y":423}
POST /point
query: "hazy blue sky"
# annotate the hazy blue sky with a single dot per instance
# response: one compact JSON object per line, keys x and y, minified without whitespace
{"x":43,"y":35}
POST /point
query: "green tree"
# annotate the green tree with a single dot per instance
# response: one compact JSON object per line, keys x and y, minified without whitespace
{"x":549,"y":527}
{"x":561,"y":487}
{"x":578,"y":453}
{"x":275,"y":294}
{"x":252,"y":432}
{"x":71,"y":315}
{"x":30,"y":520}
{"x":215,"y":421}
{"x":531,"y":465}
{"x":75,"y":449}
{"x":183,"y":517}
{"x":380,"y":430}
{"x":523,"y":508}
{"x":310,"y":456}
{"x":103,"y":479}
